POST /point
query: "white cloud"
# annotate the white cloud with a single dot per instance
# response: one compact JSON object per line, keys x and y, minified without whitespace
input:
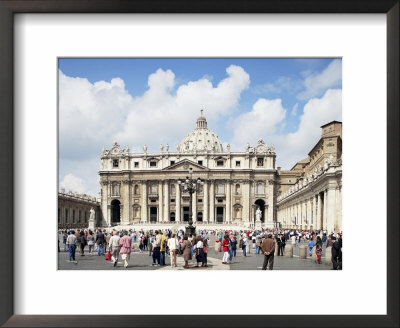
{"x":152,"y":115}
{"x":261,"y":121}
{"x":73,"y":183}
{"x":317,"y":83}
{"x":295,"y":146}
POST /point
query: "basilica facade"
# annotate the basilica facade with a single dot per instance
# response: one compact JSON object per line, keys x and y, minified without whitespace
{"x":139,"y":188}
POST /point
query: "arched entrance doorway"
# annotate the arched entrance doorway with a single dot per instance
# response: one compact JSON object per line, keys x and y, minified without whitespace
{"x":115,"y":211}
{"x":259,"y":203}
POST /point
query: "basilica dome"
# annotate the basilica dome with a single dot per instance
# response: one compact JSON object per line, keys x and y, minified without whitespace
{"x":200,"y":139}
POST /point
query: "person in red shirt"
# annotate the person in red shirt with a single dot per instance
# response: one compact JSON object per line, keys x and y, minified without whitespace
{"x":225,"y":248}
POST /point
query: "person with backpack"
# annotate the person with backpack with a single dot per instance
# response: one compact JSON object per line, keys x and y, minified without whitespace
{"x":100,"y":240}
{"x":83,"y":243}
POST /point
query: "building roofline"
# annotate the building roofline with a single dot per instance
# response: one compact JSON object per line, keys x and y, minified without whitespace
{"x":331,"y":123}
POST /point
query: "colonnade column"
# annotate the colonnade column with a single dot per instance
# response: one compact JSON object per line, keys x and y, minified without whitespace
{"x":205,"y":201}
{"x":325,"y":209}
{"x":212,"y":201}
{"x":144,"y":202}
{"x":330,"y":211}
{"x":319,"y":214}
{"x":314,"y":213}
{"x":178,"y":203}
{"x":228,"y":202}
{"x":160,"y":201}
{"x":194,"y":206}
{"x":166,"y":201}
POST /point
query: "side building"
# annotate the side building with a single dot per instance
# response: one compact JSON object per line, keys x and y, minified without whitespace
{"x":74,"y":210}
{"x":310,"y":195}
{"x":142,"y":188}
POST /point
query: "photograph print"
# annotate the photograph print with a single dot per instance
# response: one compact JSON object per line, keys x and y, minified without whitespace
{"x":199,"y":164}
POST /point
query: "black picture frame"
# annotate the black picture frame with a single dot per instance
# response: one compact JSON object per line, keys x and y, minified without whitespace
{"x":10,"y":7}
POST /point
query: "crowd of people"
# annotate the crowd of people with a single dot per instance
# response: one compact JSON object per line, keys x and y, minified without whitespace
{"x":162,"y":243}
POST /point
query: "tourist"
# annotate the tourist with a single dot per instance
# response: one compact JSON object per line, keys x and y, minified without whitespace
{"x":199,"y":251}
{"x":163,"y":247}
{"x":279,"y":243}
{"x":311,"y":245}
{"x":186,"y":249}
{"x":324,"y":239}
{"x":225,"y":249}
{"x":205,"y":251}
{"x":336,"y":252}
{"x":233,"y":246}
{"x":156,"y":249}
{"x":318,"y":252}
{"x":141,"y":245}
{"x":83,"y":242}
{"x":107,"y":237}
{"x":125,"y":244}
{"x":65,"y":236}
{"x":340,"y":253}
{"x":90,"y":240}
{"x":294,"y":243}
{"x":100,"y":242}
{"x":114,"y":247}
{"x":71,"y":243}
{"x":268,"y":247}
{"x":258,"y":245}
{"x":253,"y":241}
{"x":283,"y":244}
{"x":244,"y":245}
{"x":173,"y":246}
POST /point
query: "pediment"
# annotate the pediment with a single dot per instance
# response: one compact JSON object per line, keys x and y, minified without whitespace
{"x":185,"y":165}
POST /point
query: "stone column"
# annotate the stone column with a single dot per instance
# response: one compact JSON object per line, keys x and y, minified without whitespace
{"x":269,"y":220}
{"x":325,"y":209}
{"x":160,"y":201}
{"x":178,"y":203}
{"x":212,"y":202}
{"x":330,"y":211}
{"x":124,"y":191}
{"x":194,"y":206}
{"x":166,"y":201}
{"x":228,"y":202}
{"x":339,"y":209}
{"x":314,"y":213}
{"x":144,"y":202}
{"x":205,"y":201}
{"x":319,"y":217}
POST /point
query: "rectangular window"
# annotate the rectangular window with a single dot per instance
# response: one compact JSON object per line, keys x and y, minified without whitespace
{"x":172,"y":200}
{"x":153,"y":164}
{"x":136,"y":164}
{"x":219,"y":200}
{"x":153,"y":200}
{"x":220,"y":163}
{"x":171,"y":162}
{"x":260,"y":161}
{"x":199,"y":200}
{"x":237,"y":163}
{"x":200,"y":162}
{"x":115,"y":163}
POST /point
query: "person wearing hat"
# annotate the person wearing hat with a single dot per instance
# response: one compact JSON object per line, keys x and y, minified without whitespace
{"x":268,"y":248}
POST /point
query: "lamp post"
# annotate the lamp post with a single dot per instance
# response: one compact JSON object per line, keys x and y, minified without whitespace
{"x":190,"y":185}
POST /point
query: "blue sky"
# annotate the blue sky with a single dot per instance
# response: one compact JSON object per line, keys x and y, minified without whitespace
{"x":282,"y":101}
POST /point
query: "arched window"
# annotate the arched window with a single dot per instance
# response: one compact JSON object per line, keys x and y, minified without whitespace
{"x":136,"y":190}
{"x":260,"y":188}
{"x":237,"y":189}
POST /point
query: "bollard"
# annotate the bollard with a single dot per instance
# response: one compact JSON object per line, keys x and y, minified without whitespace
{"x":314,"y":255}
{"x":288,"y":251}
{"x":303,"y":252}
{"x":328,"y":255}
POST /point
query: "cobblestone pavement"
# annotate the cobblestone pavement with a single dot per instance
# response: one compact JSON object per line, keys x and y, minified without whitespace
{"x":142,"y":261}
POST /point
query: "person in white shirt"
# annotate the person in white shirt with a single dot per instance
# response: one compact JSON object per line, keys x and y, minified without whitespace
{"x":173,"y":247}
{"x":114,"y":247}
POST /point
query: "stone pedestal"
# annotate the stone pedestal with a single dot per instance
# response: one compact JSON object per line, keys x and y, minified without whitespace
{"x":258,"y":225}
{"x":288,"y":251}
{"x":328,"y":255}
{"x":92,"y":225}
{"x":303,"y":252}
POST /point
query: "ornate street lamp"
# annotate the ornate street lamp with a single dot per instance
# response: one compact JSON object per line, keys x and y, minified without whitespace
{"x":190,"y":186}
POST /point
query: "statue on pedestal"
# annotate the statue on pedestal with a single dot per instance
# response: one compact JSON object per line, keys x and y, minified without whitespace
{"x":258,"y":218}
{"x":92,"y":216}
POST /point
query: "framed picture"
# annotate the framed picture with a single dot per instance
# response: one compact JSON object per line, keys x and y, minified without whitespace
{"x":31,"y":136}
